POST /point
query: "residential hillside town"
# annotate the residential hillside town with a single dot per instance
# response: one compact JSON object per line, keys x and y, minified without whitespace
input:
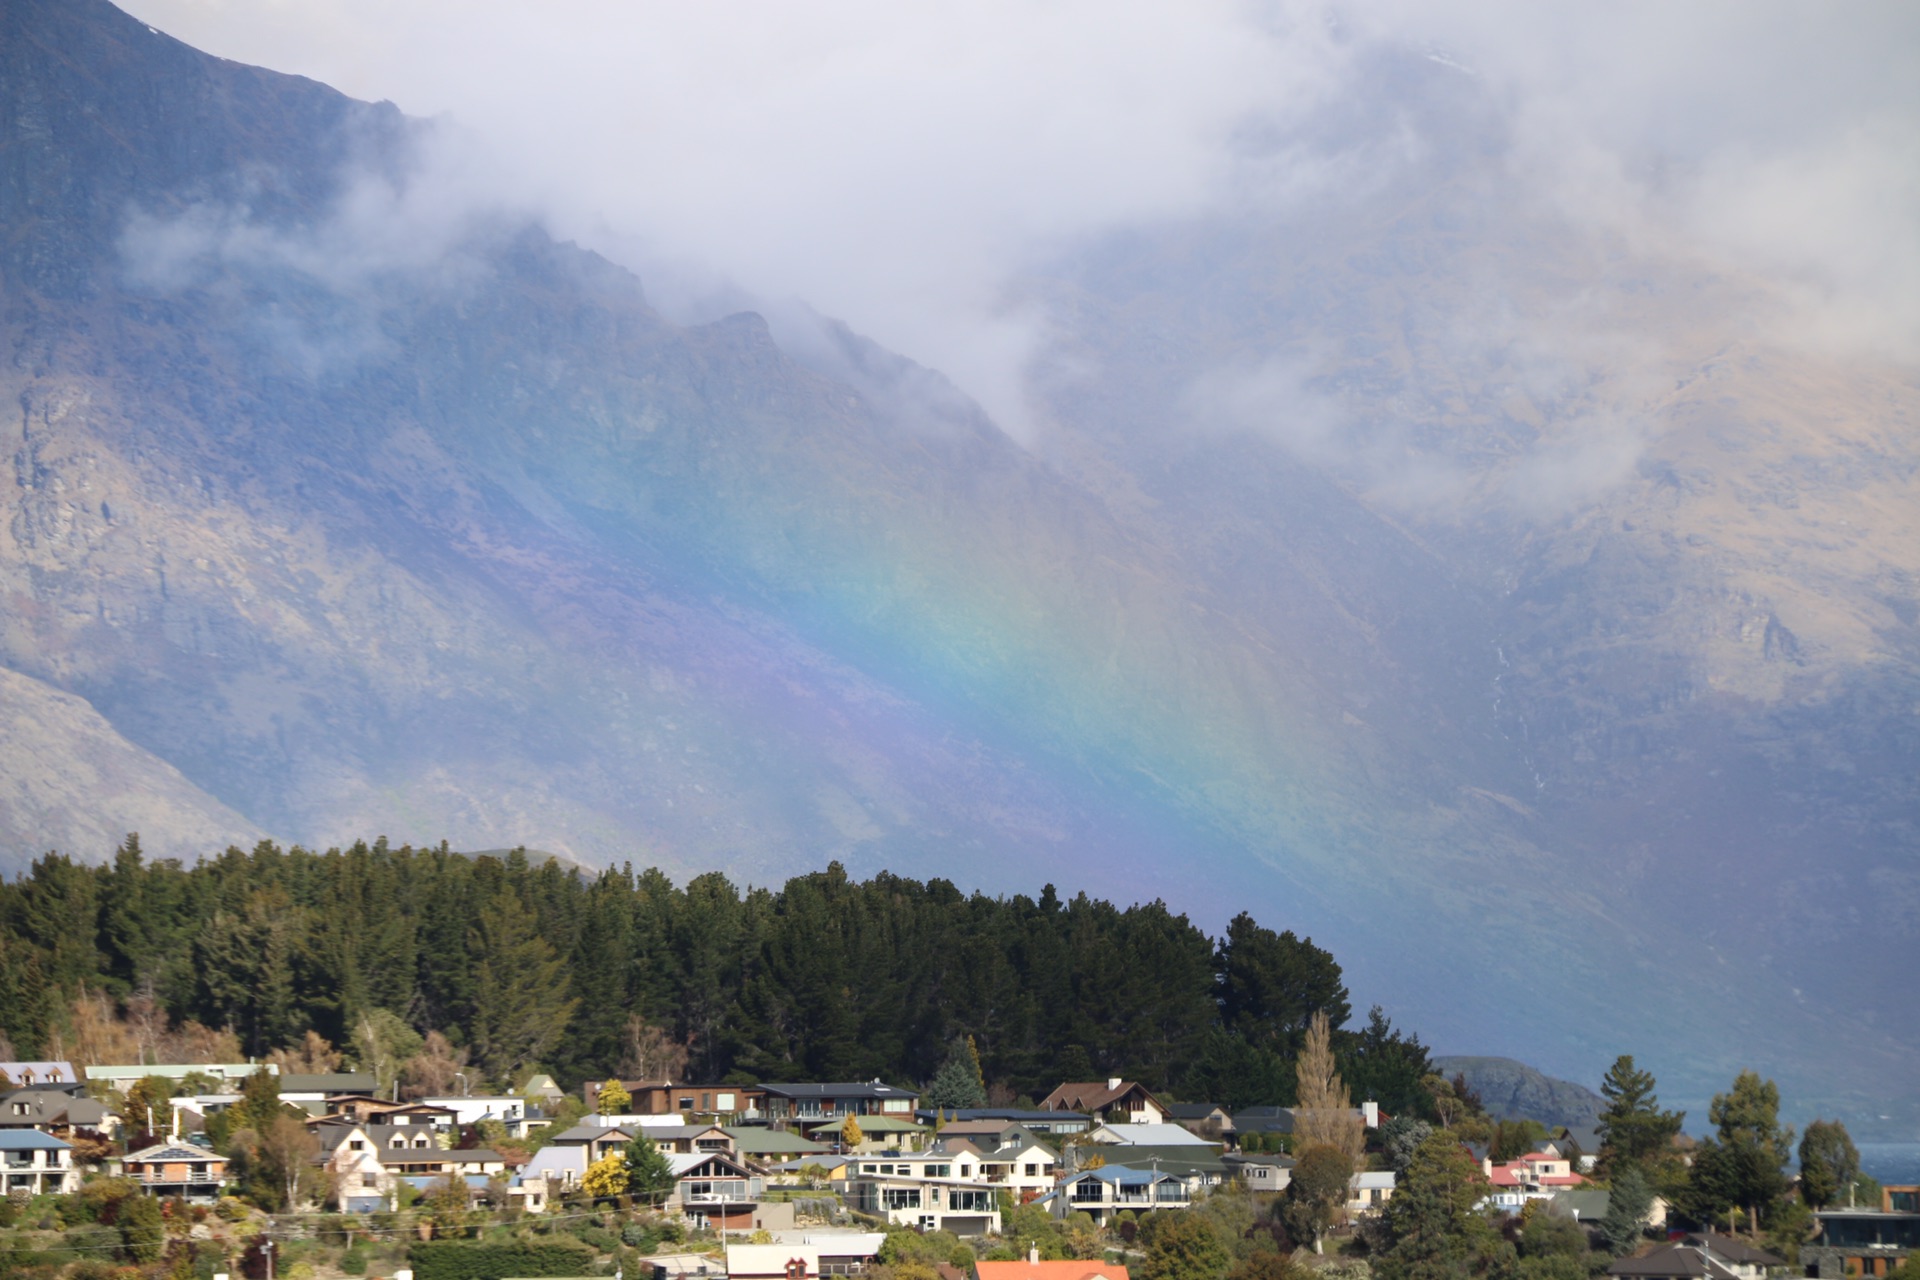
{"x":226,"y":1089}
{"x":218,"y":1168}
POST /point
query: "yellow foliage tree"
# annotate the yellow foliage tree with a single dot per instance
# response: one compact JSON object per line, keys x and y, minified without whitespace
{"x":1325,"y":1114}
{"x":606,"y":1177}
{"x":850,"y":1135}
{"x":613,"y":1099}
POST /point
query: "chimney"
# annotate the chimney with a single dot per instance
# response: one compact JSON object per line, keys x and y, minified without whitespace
{"x":1370,"y":1112}
{"x":1113,"y":1082}
{"x":1033,"y":1253}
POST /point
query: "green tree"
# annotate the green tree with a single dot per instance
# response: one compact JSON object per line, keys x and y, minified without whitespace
{"x":1829,"y":1162}
{"x":649,"y":1174}
{"x":143,"y":1231}
{"x":1744,"y":1166}
{"x":1185,"y":1247}
{"x":1400,"y":1137}
{"x":1629,"y":1201}
{"x":259,"y":1100}
{"x":1431,"y":1223}
{"x":382,"y":1043}
{"x":1316,"y":1191}
{"x":957,"y":1083}
{"x":145,"y":1111}
{"x":1632,"y":1127}
{"x":518,"y":1009}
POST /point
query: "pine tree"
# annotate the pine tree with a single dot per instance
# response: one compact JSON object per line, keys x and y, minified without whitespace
{"x":1632,"y":1128}
{"x":1628,"y":1203}
{"x":957,"y":1083}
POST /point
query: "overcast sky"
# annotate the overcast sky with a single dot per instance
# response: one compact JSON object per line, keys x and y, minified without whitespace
{"x":898,"y":165}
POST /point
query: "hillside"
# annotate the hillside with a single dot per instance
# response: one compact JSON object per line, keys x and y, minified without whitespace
{"x":345,"y":515}
{"x":1515,"y":1091}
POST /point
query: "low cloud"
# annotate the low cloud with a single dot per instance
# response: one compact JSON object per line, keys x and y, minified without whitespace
{"x":909,"y":170}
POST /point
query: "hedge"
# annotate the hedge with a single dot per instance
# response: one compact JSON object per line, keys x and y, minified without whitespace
{"x":451,"y":1260}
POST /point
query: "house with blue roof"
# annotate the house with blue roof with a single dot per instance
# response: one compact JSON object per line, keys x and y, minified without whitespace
{"x":1103,"y":1192}
{"x":36,"y":1163}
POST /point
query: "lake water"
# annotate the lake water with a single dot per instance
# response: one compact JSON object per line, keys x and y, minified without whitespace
{"x":1891,"y":1163}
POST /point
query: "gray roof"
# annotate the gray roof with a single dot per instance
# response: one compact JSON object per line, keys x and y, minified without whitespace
{"x":584,"y":1133}
{"x":854,"y":1089}
{"x":1671,"y":1260}
{"x":336,"y":1082}
{"x":1193,"y":1110}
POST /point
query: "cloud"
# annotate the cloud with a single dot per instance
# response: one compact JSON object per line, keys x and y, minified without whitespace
{"x":907,"y":168}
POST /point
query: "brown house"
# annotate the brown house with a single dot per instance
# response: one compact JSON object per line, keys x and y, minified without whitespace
{"x":665,"y":1098}
{"x":178,"y":1169}
{"x":1115,"y":1101}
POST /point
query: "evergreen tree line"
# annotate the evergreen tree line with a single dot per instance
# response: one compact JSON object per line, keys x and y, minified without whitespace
{"x":518,"y":964}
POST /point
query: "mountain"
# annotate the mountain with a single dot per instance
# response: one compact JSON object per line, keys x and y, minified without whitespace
{"x":337,"y":512}
{"x":1515,"y":1091}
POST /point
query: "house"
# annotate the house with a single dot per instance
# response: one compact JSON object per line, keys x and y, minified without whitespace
{"x":1032,"y":1268}
{"x":508,"y":1110}
{"x":1534,"y":1174}
{"x":1865,"y":1242}
{"x":756,"y":1142}
{"x":1052,"y":1123}
{"x":1102,"y":1193}
{"x":177,"y":1169}
{"x":541,"y":1090}
{"x":809,"y":1254}
{"x":715,"y":1190}
{"x":877,"y":1133}
{"x":1018,"y":1163}
{"x":664,"y":1098}
{"x":1259,"y":1172}
{"x":361,"y":1109}
{"x":314,"y":1091}
{"x":1205,"y":1120}
{"x":600,"y":1140}
{"x":35,"y":1163}
{"x":560,"y":1169}
{"x":1116,"y":1101}
{"x":837,"y":1101}
{"x":1708,"y":1256}
{"x":941,"y":1188}
{"x":55,"y":1111}
{"x":1368,"y":1191}
{"x":360,"y":1181}
{"x":682,"y":1266}
{"x":121,"y":1075}
{"x":1262,"y":1120}
{"x":44,"y":1075}
{"x":685,"y":1138}
{"x":407,"y":1150}
{"x":1149,"y":1135}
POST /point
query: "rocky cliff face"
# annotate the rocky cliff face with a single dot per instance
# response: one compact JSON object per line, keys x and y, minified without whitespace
{"x":328,"y":519}
{"x":1513,"y":1090}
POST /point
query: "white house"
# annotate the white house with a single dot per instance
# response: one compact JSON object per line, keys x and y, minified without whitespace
{"x":1104,"y":1192}
{"x":1368,"y":1191}
{"x":37,"y":1163}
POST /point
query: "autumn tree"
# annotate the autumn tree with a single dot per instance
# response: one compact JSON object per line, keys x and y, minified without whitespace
{"x":1325,"y":1114}
{"x":648,"y":1052}
{"x":850,"y":1135}
{"x":430,"y":1073}
{"x":612,"y":1099}
{"x":382,"y":1043}
{"x":314,"y":1055}
{"x":606,"y":1177}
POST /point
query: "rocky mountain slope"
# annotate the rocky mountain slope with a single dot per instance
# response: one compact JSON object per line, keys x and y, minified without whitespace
{"x":1513,"y":1090}
{"x":343,"y":517}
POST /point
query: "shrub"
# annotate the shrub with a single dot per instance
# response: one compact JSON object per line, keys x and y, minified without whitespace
{"x":451,"y":1260}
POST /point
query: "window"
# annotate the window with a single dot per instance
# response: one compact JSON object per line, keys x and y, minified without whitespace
{"x":900,"y":1197}
{"x":706,"y":1102}
{"x":894,"y":1104}
{"x":723,"y":1101}
{"x":939,"y":1171}
{"x":686,"y":1103}
{"x":354,"y":1144}
{"x":1087,"y":1189}
{"x":1033,"y":1171}
{"x":869,"y":1168}
{"x":970,"y":1201}
{"x":369,"y":1179}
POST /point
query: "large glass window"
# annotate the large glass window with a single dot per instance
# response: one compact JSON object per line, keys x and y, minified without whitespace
{"x":901,"y":1197}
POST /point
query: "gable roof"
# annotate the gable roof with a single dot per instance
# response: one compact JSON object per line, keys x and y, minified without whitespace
{"x":175,"y":1151}
{"x":1149,"y":1135}
{"x":40,"y":1072}
{"x":1734,"y":1249}
{"x":30,"y":1140}
{"x":754,"y":1140}
{"x":1195,"y":1110}
{"x":1091,"y":1095}
{"x":1669,"y":1261}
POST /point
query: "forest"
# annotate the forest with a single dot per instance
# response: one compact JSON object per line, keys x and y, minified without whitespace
{"x":509,"y":964}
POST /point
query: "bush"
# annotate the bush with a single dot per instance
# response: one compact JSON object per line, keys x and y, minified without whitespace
{"x":451,"y":1260}
{"x":354,"y":1261}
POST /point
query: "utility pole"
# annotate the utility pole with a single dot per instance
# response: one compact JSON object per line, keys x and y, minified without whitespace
{"x":266,"y":1247}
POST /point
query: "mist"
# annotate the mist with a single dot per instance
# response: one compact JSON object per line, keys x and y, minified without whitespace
{"x":905,"y":169}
